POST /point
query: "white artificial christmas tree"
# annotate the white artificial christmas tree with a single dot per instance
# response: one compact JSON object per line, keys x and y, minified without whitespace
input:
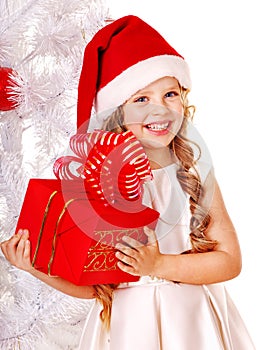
{"x":42,"y":41}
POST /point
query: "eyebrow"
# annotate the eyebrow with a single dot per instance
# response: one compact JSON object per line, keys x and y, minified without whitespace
{"x":146,"y":92}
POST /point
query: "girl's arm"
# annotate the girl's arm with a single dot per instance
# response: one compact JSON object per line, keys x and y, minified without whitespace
{"x":17,"y":252}
{"x":219,"y":265}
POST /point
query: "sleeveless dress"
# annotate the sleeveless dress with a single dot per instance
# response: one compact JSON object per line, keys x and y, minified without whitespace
{"x":156,"y":314}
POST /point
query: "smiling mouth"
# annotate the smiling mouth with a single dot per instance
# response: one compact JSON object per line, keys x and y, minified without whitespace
{"x":158,"y":126}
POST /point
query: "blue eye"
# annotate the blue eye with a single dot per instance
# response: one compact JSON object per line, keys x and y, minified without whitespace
{"x":171,"y":94}
{"x":141,"y":99}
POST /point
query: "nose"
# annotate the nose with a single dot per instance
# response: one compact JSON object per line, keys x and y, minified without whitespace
{"x":158,"y":109}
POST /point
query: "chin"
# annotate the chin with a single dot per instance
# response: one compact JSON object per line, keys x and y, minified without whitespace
{"x":154,"y":143}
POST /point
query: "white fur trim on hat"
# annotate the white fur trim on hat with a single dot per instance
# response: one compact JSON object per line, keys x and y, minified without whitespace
{"x":137,"y":77}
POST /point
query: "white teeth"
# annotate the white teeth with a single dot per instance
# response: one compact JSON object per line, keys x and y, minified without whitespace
{"x":158,"y":126}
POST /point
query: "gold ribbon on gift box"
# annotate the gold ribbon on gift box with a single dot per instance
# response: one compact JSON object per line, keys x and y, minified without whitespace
{"x":50,"y":200}
{"x":101,"y":255}
{"x":42,"y":225}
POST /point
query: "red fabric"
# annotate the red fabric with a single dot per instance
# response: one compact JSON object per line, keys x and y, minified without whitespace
{"x":112,"y":50}
{"x":78,"y":243}
{"x":6,"y":91}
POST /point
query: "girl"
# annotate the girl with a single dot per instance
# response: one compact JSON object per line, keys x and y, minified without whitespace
{"x":136,"y":81}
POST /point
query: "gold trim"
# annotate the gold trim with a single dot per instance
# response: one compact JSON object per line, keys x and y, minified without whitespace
{"x":55,"y":235}
{"x":101,"y":255}
{"x":42,"y":226}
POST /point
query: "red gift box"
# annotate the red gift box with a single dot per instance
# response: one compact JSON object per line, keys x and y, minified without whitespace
{"x":73,"y":236}
{"x":76,"y":221}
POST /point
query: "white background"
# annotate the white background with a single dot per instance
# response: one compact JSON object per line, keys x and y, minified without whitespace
{"x":231,"y":50}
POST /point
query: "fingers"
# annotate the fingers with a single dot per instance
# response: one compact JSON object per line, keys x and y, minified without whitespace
{"x":136,"y":244}
{"x":21,"y":245}
{"x":134,"y":248}
{"x":131,"y":247}
{"x":126,"y":259}
{"x":17,"y":250}
{"x":151,"y":235}
{"x":135,"y":258}
{"x":9,"y":247}
{"x":27,"y":250}
{"x":126,"y":254}
{"x":132,"y":242}
{"x":128,"y":269}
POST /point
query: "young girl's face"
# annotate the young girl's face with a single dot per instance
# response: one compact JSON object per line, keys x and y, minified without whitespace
{"x":155,"y":113}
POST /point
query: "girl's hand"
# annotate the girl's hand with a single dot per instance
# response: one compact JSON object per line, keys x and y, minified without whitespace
{"x":137,"y":259}
{"x":17,"y":250}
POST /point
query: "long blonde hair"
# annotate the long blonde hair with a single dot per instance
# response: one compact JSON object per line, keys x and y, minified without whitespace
{"x":191,"y":184}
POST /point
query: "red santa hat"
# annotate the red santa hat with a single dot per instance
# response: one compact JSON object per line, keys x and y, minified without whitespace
{"x":122,"y":58}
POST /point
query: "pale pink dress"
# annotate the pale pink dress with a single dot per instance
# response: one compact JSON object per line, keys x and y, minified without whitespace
{"x":155,"y":314}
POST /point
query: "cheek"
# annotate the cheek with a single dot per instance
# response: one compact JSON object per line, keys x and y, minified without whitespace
{"x":178,"y":109}
{"x":178,"y":116}
{"x":135,"y":128}
{"x":132,"y":116}
{"x":180,"y":120}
